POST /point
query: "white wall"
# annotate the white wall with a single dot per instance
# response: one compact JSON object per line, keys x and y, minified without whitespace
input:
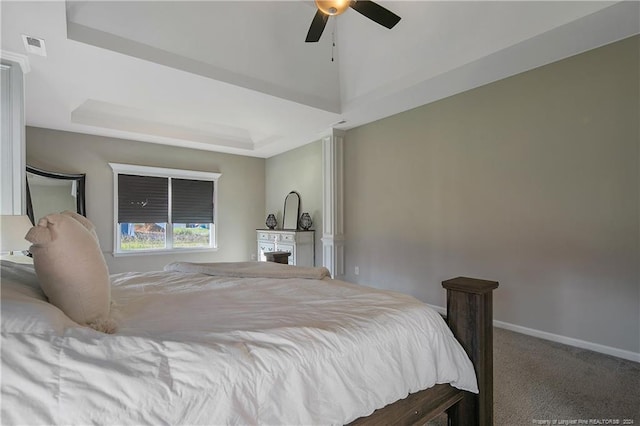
{"x":532,"y":181}
{"x":241,"y":190}
{"x":297,"y":170}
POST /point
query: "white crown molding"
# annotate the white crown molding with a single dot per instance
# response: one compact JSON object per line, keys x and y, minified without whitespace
{"x":23,"y":60}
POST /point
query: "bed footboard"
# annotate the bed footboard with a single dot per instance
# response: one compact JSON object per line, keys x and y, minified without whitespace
{"x":470,"y":317}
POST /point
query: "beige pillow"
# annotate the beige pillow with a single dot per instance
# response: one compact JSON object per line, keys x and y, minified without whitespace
{"x":84,"y":221}
{"x":72,"y":270}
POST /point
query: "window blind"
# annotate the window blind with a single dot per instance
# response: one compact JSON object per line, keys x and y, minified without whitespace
{"x":191,"y":201}
{"x":143,"y":199}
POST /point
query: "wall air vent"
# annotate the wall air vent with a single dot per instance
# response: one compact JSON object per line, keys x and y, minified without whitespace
{"x":34,"y":45}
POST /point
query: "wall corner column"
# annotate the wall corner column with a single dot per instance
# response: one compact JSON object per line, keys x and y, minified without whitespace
{"x":13,"y":66}
{"x":333,"y":203}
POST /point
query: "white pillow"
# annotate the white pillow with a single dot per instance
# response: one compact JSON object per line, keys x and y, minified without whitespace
{"x":24,"y":306}
{"x":72,"y":270}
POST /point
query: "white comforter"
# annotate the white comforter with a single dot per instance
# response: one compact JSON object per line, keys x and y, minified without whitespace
{"x":199,"y":349}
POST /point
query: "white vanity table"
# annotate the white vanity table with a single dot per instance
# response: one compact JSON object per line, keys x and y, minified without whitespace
{"x":299,"y":243}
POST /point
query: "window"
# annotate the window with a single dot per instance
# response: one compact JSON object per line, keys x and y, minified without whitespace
{"x":160,"y":210}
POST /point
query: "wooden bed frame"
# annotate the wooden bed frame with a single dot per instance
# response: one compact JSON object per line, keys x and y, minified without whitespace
{"x":470,"y":317}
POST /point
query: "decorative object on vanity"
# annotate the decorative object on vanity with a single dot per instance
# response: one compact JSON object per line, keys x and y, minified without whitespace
{"x":49,"y":192}
{"x":271,"y":221}
{"x":305,"y":221}
{"x":291,"y":211}
{"x":13,"y":228}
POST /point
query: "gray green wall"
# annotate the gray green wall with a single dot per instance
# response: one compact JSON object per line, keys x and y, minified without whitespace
{"x":241,"y":189}
{"x":297,"y":170}
{"x":532,"y":181}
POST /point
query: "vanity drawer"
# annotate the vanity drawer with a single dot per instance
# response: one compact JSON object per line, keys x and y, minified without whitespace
{"x":263,"y":248}
{"x":288,"y":237}
{"x":266,"y":236}
{"x":266,"y":247}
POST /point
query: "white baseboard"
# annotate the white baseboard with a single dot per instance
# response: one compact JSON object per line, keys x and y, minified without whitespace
{"x":438,"y":309}
{"x":596,"y":347}
{"x":608,"y":350}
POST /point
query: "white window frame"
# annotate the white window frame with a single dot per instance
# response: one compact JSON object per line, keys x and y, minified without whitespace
{"x":131,"y":169}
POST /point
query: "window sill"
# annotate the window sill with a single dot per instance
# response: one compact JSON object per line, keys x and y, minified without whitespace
{"x":160,"y":252}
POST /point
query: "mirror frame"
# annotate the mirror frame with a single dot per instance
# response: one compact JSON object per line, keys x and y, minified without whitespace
{"x":284,"y":213}
{"x":80,"y":178}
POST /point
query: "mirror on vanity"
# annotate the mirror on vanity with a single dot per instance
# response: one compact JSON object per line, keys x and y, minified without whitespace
{"x":291,"y":211}
{"x":53,"y":192}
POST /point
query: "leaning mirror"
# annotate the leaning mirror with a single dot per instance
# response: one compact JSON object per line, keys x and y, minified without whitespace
{"x":291,"y":211}
{"x":53,"y":192}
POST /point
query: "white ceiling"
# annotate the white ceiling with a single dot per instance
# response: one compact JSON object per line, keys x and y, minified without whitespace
{"x":237,"y":76}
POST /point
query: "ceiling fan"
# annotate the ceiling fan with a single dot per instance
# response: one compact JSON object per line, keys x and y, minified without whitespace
{"x":327,"y":8}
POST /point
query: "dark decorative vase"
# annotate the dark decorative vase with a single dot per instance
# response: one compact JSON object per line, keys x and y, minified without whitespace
{"x":271,"y":221}
{"x":305,"y":221}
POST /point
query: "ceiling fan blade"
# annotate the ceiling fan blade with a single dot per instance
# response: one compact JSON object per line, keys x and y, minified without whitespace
{"x":317,"y":27}
{"x":376,"y":13}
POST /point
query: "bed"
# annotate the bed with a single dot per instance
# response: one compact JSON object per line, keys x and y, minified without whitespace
{"x":246,"y":343}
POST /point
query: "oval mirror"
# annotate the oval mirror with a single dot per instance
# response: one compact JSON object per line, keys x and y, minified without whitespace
{"x":291,"y":211}
{"x":53,"y":192}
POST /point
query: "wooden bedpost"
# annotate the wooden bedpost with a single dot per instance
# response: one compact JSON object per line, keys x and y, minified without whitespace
{"x":470,"y":317}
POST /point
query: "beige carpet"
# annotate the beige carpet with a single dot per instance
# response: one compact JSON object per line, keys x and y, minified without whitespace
{"x":541,"y":382}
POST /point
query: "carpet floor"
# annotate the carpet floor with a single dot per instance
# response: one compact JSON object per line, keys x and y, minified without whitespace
{"x":537,"y":381}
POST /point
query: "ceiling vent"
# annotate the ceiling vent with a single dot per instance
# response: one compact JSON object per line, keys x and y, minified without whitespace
{"x":34,"y":45}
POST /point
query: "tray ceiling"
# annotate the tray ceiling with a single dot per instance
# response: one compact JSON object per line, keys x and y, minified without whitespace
{"x":238,"y":77}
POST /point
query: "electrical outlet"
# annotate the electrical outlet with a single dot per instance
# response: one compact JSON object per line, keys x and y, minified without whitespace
{"x":357,"y":270}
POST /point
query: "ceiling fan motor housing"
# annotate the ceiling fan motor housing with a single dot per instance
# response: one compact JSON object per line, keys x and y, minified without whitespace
{"x":328,"y":8}
{"x":333,"y":7}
